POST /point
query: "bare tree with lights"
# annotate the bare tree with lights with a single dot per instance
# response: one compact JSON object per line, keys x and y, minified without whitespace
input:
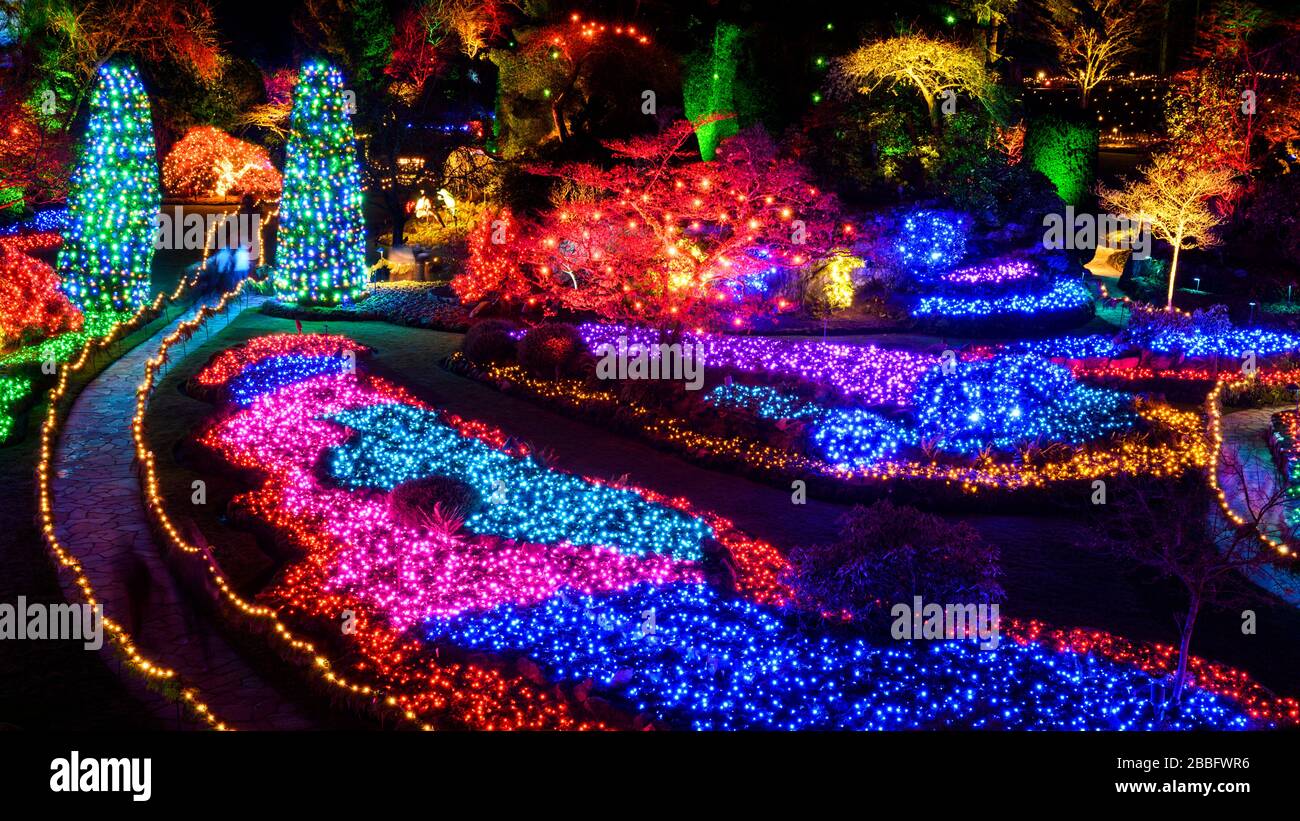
{"x":1094,"y":38}
{"x":1175,"y":201}
{"x":1182,"y":533}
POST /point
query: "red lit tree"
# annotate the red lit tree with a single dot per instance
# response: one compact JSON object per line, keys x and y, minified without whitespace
{"x":31,"y":304}
{"x":35,"y":161}
{"x":208,"y":162}
{"x":656,"y":237}
{"x":1239,"y":104}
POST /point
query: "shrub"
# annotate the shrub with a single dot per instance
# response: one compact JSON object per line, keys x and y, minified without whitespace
{"x":438,"y":503}
{"x":886,"y":554}
{"x":490,"y":341}
{"x":1066,"y":153}
{"x":932,"y":241}
{"x":552,"y":350}
{"x":1011,"y":401}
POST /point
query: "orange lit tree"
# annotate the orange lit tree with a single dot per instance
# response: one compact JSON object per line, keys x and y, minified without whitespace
{"x":656,"y":237}
{"x":1238,"y":106}
{"x":1174,"y":200}
{"x":76,"y":38}
{"x":1094,"y":38}
{"x":207,"y":162}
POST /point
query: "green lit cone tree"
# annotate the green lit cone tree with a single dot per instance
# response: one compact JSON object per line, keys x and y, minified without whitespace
{"x":108,"y":243}
{"x":320,"y":256}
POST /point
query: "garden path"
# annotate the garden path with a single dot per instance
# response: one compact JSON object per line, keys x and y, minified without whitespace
{"x":100,"y":517}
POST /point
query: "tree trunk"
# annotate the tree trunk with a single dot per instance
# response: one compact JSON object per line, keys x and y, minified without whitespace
{"x":933,"y":108}
{"x":1164,"y":39}
{"x":397,"y":217}
{"x":1184,"y":645}
{"x":1173,"y":269}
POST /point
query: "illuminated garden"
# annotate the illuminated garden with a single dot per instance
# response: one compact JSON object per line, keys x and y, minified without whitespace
{"x":478,"y":365}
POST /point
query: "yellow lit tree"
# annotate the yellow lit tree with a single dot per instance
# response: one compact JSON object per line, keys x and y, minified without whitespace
{"x":930,"y":66}
{"x":1174,"y":200}
{"x":1093,"y":38}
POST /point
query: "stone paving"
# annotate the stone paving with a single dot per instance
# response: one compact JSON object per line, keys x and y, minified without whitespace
{"x":100,"y":518}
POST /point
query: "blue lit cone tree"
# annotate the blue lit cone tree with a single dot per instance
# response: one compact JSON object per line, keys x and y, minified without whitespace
{"x":108,"y":244}
{"x":320,"y":255}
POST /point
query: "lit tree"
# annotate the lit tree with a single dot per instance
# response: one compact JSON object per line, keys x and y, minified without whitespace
{"x":320,"y":256}
{"x":272,"y":116}
{"x":1174,"y":201}
{"x":1239,"y":104}
{"x":1093,"y":38}
{"x":990,"y":16}
{"x":208,"y":162}
{"x":657,"y":237}
{"x":559,"y":69}
{"x":930,"y":66}
{"x":1177,"y":530}
{"x":401,"y":162}
{"x":108,"y":245}
{"x":82,"y":36}
{"x":34,"y":159}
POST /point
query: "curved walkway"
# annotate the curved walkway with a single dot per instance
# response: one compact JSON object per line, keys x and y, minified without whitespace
{"x":1249,"y":478}
{"x":100,"y":517}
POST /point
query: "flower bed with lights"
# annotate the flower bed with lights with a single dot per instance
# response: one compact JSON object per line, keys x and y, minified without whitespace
{"x":548,"y":600}
{"x":854,"y":422}
{"x":37,"y":323}
{"x":1060,"y":303}
{"x":1004,"y":295}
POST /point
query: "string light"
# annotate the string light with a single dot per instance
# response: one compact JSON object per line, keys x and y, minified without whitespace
{"x":55,"y":416}
{"x":320,"y":254}
{"x":108,"y":243}
{"x":704,"y":661}
{"x":1063,"y":296}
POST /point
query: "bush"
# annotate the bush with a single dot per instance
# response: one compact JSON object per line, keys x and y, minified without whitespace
{"x":552,"y":350}
{"x":490,"y":341}
{"x":1066,"y":153}
{"x":438,"y":503}
{"x":887,"y":554}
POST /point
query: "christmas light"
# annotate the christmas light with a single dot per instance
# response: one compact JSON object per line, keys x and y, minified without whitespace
{"x":208,"y":162}
{"x":863,"y":373}
{"x":320,"y":255}
{"x":1064,"y":295}
{"x":107,"y":252}
{"x":932,"y":241}
{"x":697,"y":660}
{"x":31,"y":304}
{"x":1010,"y":401}
{"x":666,"y":645}
{"x":997,"y":272}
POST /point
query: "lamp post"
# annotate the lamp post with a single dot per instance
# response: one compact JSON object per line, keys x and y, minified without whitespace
{"x":1252,"y":314}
